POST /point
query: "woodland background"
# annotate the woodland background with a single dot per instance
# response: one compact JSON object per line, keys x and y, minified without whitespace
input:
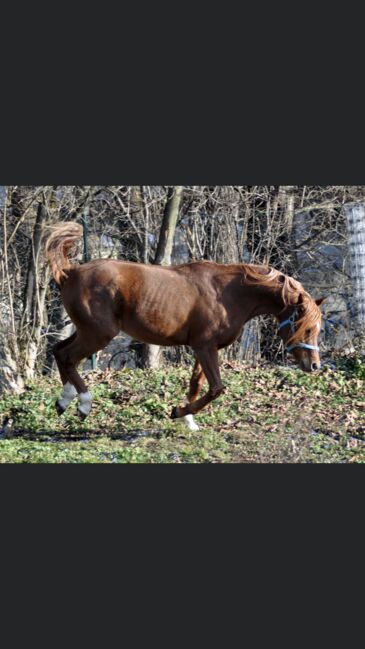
{"x":314,"y":233}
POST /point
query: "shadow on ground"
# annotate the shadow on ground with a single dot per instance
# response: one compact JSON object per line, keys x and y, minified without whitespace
{"x":83,"y":436}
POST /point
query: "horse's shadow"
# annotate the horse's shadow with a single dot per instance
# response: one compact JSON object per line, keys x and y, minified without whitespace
{"x":70,"y":436}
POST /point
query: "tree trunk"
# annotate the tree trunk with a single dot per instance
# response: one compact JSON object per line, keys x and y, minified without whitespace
{"x":168,"y":227}
{"x":151,"y":354}
{"x":355,"y":215}
{"x":59,"y":325}
{"x":285,"y":199}
{"x":34,"y":297}
{"x":10,"y":379}
{"x":139,"y":222}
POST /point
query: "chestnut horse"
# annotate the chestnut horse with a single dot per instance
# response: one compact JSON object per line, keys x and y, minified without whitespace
{"x":202,"y":304}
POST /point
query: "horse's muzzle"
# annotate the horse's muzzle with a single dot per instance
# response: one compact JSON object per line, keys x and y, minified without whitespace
{"x":310,"y":367}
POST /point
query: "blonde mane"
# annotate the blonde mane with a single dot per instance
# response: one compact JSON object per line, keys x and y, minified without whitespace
{"x":291,"y":292}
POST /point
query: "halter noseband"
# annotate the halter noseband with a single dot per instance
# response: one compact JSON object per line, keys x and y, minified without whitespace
{"x":291,"y":321}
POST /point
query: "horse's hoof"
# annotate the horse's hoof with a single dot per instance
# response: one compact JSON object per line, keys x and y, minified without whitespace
{"x":174,"y":413}
{"x":59,"y":409}
{"x":190,"y":422}
{"x":81,"y":414}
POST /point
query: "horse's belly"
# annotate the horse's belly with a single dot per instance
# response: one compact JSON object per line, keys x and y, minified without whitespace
{"x":154,"y":331}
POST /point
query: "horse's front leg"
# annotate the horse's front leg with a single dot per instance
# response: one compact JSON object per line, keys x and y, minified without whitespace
{"x":208,"y":359}
{"x":196,"y":383}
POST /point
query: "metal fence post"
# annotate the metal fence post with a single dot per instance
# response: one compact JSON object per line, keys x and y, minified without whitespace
{"x":355,"y":214}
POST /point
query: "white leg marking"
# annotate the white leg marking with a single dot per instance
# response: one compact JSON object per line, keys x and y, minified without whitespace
{"x":69,"y":393}
{"x":84,"y":403}
{"x":189,"y":420}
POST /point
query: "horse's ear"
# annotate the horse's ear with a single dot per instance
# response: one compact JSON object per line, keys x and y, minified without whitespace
{"x":300,"y":298}
{"x":319,"y":301}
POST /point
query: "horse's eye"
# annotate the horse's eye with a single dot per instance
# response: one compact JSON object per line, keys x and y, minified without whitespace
{"x":308,"y":331}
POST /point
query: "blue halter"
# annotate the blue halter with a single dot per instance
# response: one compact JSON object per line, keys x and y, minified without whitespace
{"x":291,"y":321}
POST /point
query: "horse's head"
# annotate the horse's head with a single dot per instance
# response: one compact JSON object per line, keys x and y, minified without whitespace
{"x":299,"y":327}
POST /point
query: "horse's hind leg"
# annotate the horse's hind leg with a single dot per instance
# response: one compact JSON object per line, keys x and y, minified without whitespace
{"x":69,"y":391}
{"x":208,"y":358}
{"x":196,"y":382}
{"x":70,"y":356}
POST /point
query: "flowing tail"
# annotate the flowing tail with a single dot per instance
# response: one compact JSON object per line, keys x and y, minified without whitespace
{"x":63,"y":238}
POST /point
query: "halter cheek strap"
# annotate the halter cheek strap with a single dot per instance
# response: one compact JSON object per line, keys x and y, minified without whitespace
{"x":291,"y":321}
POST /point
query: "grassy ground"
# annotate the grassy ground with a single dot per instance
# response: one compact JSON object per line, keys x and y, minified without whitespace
{"x":268,"y":414}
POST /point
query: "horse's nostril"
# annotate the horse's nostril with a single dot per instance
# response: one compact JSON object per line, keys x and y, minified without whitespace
{"x":314,"y":367}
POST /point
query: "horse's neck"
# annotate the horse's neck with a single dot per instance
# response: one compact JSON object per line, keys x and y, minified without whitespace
{"x":264,"y":300}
